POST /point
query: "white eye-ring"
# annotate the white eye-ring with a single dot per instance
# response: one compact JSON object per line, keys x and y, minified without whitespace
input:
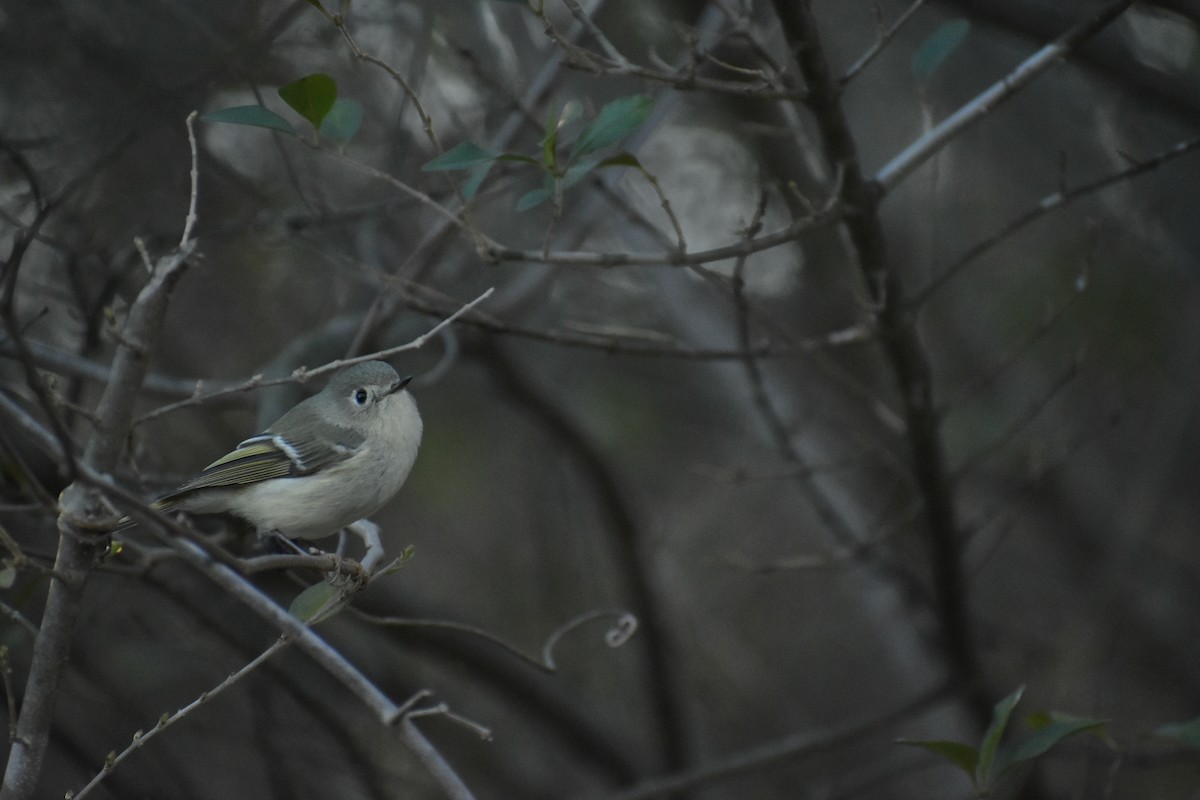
{"x":360,"y":396}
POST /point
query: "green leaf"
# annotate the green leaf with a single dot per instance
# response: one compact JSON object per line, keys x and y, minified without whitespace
{"x":995,"y":731}
{"x":343,"y":120}
{"x":534,"y":198}
{"x":475,"y":179}
{"x":1061,"y":726}
{"x":550,"y":141}
{"x":464,"y":155}
{"x":572,"y":111}
{"x":554,"y":123}
{"x":615,"y":121}
{"x":520,"y":158}
{"x":961,"y":755}
{"x":577,"y":171}
{"x":937,"y":47}
{"x":256,"y":116}
{"x":317,"y":5}
{"x":317,"y":602}
{"x":311,"y":97}
{"x":1186,"y":733}
{"x":621,"y":160}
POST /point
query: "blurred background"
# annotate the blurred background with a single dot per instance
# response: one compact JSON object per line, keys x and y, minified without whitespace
{"x":720,"y":449}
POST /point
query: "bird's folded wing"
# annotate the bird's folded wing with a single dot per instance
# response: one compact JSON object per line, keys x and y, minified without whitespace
{"x":268,"y":456}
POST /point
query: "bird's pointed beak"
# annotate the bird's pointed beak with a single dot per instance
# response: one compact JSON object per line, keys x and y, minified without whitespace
{"x":400,"y":384}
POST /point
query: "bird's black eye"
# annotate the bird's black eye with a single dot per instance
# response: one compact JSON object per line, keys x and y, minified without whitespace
{"x":360,"y":397}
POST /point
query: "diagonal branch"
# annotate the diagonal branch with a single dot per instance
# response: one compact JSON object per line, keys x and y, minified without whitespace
{"x":942,"y":134}
{"x":1048,"y":204}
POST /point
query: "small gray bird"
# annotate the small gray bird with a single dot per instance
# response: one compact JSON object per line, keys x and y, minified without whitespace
{"x":331,"y":460}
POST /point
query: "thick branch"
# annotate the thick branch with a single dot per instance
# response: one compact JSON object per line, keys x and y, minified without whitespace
{"x":908,"y":359}
{"x":80,"y":506}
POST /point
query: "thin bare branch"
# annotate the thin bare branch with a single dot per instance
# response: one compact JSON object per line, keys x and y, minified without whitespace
{"x":990,"y":376}
{"x":81,"y":510}
{"x":1022,"y":421}
{"x":591,"y":27}
{"x":445,"y":775}
{"x":1051,"y":202}
{"x":141,"y":738}
{"x":303,"y":373}
{"x":831,"y":213}
{"x":613,"y":63}
{"x":616,"y":636}
{"x":1007,"y":87}
{"x":885,"y":36}
{"x":788,"y":750}
{"x":426,"y":121}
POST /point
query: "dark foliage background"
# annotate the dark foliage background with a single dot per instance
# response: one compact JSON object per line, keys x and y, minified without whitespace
{"x":602,"y":437}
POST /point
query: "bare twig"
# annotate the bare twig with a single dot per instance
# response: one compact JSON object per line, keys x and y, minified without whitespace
{"x":313,"y":646}
{"x":426,"y":121}
{"x":303,"y":373}
{"x":591,"y":27}
{"x":445,"y":775}
{"x":830,"y":214}
{"x":190,"y":221}
{"x":8,"y":315}
{"x":885,"y":36}
{"x":1018,"y":424}
{"x":80,"y":510}
{"x":12,"y":615}
{"x":140,"y":738}
{"x":781,"y":437}
{"x":902,"y":347}
{"x":787,"y":750}
{"x":612,"y":62}
{"x":1039,"y":332}
{"x":1007,"y":87}
{"x":625,"y":626}
{"x":626,"y":546}
{"x":10,"y":699}
{"x":1049,"y":203}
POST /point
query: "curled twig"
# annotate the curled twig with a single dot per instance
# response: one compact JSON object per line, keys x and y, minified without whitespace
{"x":625,"y":626}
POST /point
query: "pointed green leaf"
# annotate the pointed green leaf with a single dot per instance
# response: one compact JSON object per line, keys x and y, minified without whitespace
{"x":256,"y":116}
{"x":343,"y":120}
{"x":1186,"y":733}
{"x":464,"y":155}
{"x":572,"y":111}
{"x":311,"y":97}
{"x":550,"y":141}
{"x":1060,"y":727}
{"x":961,"y":755}
{"x":519,"y":158}
{"x":995,"y":732}
{"x":937,"y":47}
{"x":578,"y":171}
{"x":317,"y":602}
{"x":533,"y":198}
{"x":555,"y":121}
{"x":615,"y":121}
{"x":475,"y":179}
{"x":621,"y":160}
